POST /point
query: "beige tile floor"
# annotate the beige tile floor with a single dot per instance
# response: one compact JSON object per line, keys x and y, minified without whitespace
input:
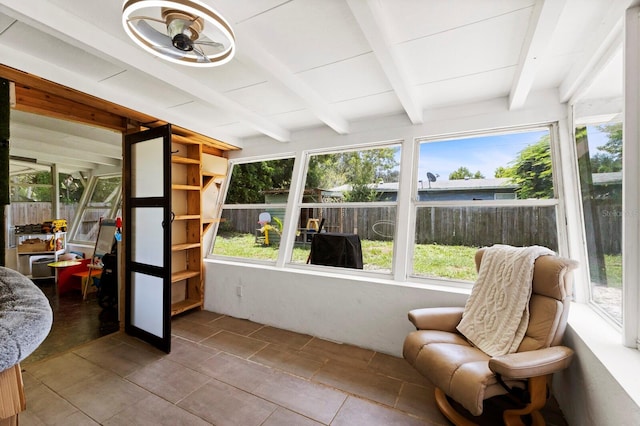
{"x":228,"y":371}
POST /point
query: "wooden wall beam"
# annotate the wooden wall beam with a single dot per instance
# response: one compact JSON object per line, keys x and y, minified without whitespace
{"x":44,"y":97}
{"x":29,"y":99}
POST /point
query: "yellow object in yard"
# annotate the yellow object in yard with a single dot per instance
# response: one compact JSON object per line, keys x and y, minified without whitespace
{"x":59,"y":225}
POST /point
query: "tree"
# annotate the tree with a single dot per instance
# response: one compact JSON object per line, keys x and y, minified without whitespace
{"x":614,"y":144}
{"x":250,"y":180}
{"x":611,"y":159}
{"x":501,"y":172}
{"x":71,"y":188}
{"x":605,"y":163}
{"x":531,"y":170}
{"x":32,"y":186}
{"x":365,"y":168}
{"x":464,"y":173}
{"x":360,"y":169}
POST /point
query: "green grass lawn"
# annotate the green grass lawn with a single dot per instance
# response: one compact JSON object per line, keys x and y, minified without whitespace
{"x":432,"y":260}
{"x":613,"y":266}
{"x":455,"y":262}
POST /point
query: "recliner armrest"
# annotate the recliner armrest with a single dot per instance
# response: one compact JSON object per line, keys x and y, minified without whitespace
{"x":522,"y":365}
{"x":444,"y":319}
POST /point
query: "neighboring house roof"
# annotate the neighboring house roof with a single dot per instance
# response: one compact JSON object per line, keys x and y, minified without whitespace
{"x":475,"y":184}
{"x":606,"y":178}
{"x":442,"y":185}
{"x":466,"y":184}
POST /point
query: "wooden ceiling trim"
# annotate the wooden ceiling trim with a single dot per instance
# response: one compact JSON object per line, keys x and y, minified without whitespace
{"x":206,"y":141}
{"x":40,"y":96}
{"x":39,"y":102}
{"x":57,"y":91}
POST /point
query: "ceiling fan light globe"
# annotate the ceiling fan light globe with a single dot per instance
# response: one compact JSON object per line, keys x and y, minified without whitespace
{"x":182,"y":42}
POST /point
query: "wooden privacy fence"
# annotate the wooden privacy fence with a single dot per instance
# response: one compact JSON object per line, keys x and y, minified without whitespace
{"x":469,"y":226}
{"x":31,"y":213}
{"x":484,"y":226}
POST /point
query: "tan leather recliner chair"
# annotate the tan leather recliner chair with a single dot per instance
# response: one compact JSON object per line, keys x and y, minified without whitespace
{"x":469,"y":376}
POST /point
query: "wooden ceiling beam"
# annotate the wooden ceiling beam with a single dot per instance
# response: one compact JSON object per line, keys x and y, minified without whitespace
{"x":57,"y":91}
{"x":44,"y":97}
{"x":36,"y":101}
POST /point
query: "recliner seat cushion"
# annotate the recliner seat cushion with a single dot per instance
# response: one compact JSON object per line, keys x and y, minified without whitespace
{"x":451,"y":364}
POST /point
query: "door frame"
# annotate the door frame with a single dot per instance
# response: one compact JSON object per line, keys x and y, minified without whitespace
{"x":164,"y":272}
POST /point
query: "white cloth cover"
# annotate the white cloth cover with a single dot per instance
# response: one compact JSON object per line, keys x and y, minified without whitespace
{"x":496,"y":314}
{"x":25,"y":317}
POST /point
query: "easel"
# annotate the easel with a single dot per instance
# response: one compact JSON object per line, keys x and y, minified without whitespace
{"x":104,"y":245}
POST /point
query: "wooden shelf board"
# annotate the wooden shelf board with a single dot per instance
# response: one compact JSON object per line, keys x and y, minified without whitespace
{"x":186,"y":216}
{"x":184,"y":246}
{"x":185,"y":187}
{"x":177,"y":159}
{"x":183,"y":275}
{"x":184,"y":305}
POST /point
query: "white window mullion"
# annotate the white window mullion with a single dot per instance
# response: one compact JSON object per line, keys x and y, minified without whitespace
{"x":405,"y":217}
{"x":631,"y":179}
{"x":571,"y":224}
{"x":292,"y":210}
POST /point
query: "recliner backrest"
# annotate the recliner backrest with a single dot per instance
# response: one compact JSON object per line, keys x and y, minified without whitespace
{"x":549,"y":302}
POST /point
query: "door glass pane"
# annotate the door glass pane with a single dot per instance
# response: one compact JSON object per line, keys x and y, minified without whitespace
{"x":146,"y":303}
{"x":147,"y":174}
{"x":147,"y":241}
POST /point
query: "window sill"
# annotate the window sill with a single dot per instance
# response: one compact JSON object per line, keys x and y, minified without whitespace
{"x":605,"y":342}
{"x":443,"y":285}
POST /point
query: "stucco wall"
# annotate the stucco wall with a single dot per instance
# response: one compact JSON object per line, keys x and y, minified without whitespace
{"x":362,"y":312}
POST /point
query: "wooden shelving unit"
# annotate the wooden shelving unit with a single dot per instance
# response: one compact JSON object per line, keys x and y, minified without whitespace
{"x":187,"y":282}
{"x":27,"y":256}
{"x":189,"y":180}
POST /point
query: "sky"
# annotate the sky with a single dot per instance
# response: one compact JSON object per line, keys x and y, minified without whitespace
{"x":485,"y":153}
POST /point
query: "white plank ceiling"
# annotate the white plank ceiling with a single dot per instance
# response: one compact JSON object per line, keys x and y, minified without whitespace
{"x":310,"y":63}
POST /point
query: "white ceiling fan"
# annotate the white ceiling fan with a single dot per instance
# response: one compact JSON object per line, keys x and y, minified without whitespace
{"x":186,"y":32}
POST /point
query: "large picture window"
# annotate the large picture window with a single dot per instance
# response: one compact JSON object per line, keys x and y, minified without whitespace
{"x":351,"y":194}
{"x":253,"y":213}
{"x":481,"y":190}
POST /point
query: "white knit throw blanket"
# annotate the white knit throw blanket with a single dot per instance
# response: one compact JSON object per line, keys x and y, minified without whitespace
{"x":496,"y":314}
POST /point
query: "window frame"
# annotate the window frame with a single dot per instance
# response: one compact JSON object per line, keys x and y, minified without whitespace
{"x":253,"y":206}
{"x":557,"y":201}
{"x":298,"y":205}
{"x":587,"y":288}
{"x":83,"y":207}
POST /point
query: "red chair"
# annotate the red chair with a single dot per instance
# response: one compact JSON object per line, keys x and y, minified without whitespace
{"x":66,"y":280}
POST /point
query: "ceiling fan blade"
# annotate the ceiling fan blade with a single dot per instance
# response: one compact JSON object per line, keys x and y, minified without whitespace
{"x":213,"y":44}
{"x":153,"y":36}
{"x":202,"y":57}
{"x":170,"y":51}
